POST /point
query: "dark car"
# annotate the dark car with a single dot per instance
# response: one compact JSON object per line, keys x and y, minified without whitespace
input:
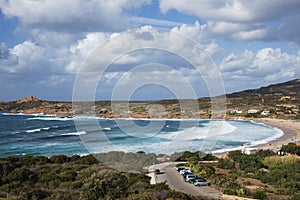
{"x":192,"y":180}
{"x":180,"y":168}
{"x":185,"y":174}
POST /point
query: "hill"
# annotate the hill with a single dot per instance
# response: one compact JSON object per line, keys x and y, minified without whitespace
{"x":277,"y":101}
{"x":287,"y":88}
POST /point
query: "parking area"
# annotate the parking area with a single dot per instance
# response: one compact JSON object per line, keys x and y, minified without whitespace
{"x":170,"y":175}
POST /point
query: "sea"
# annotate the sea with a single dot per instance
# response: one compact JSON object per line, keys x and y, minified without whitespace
{"x":48,"y":135}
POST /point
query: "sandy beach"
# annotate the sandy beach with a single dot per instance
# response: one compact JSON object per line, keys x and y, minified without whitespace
{"x":291,"y":129}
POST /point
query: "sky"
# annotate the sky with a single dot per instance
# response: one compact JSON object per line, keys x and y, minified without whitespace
{"x":145,"y":49}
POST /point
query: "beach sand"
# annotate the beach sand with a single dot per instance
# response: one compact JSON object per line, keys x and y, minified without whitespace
{"x":290,"y":128}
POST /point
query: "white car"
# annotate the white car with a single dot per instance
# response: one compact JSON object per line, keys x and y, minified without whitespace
{"x":201,"y":182}
{"x":188,"y":178}
{"x":184,"y":171}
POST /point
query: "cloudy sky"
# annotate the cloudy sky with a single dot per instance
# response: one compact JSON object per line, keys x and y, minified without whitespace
{"x":145,"y":49}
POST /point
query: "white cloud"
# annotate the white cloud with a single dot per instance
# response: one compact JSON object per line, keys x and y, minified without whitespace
{"x":257,"y":34}
{"x":232,"y":10}
{"x":243,"y":20}
{"x":30,"y":58}
{"x":7,"y":58}
{"x":141,"y":40}
{"x":81,"y":15}
{"x":52,"y":59}
{"x":255,"y":68}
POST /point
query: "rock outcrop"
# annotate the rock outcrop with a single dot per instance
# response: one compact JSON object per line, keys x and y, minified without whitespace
{"x":27,"y":99}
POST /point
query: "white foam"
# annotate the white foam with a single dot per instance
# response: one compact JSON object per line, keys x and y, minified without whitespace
{"x":212,"y":129}
{"x":33,"y":114}
{"x":50,"y":118}
{"x":37,"y":130}
{"x":13,"y":114}
{"x":76,"y":133}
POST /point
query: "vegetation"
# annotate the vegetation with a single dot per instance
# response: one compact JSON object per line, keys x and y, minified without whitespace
{"x":271,"y":174}
{"x":291,"y":148}
{"x":76,"y":177}
{"x":281,"y":100}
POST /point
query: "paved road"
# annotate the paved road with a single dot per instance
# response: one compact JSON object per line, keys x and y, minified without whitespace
{"x":175,"y":181}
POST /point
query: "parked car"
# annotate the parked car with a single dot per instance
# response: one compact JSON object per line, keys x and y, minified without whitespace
{"x":201,"y":182}
{"x":189,"y":177}
{"x":192,"y":180}
{"x":157,"y":171}
{"x":184,"y":171}
{"x":180,"y":168}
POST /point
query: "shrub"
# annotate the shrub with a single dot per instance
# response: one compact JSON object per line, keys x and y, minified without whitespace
{"x":110,"y":185}
{"x":88,"y":160}
{"x":59,"y":159}
{"x":261,"y":195}
{"x":291,"y":148}
{"x":225,"y":163}
{"x":19,"y":174}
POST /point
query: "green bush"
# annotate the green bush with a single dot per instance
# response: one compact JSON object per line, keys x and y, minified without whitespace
{"x":59,"y":159}
{"x":110,"y":185}
{"x":19,"y":174}
{"x":225,"y":163}
{"x":291,"y":148}
{"x":261,"y":195}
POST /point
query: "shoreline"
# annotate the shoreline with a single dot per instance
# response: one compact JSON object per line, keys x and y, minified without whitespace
{"x":290,"y":128}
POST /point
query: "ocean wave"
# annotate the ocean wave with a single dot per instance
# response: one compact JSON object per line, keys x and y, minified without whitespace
{"x":196,"y":133}
{"x":14,"y":114}
{"x":75,"y":133}
{"x":156,"y":119}
{"x":276,"y":134}
{"x":51,"y":118}
{"x":33,"y":114}
{"x":37,"y":130}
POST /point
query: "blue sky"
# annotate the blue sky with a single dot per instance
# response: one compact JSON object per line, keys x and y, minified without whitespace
{"x":46,"y":46}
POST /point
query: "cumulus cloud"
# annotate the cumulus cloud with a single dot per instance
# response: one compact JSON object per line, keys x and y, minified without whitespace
{"x":147,"y":44}
{"x":146,"y":48}
{"x":232,"y":10}
{"x":243,"y":20}
{"x":49,"y":63}
{"x":69,"y":15}
{"x":61,"y":35}
{"x":256,"y":68}
{"x":7,"y":58}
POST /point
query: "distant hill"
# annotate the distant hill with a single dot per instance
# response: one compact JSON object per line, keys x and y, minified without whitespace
{"x":287,"y":88}
{"x":280,"y":100}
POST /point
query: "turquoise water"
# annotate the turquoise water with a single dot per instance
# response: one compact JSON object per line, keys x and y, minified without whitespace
{"x":48,"y":135}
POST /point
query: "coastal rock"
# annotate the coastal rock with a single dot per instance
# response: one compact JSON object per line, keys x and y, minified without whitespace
{"x":27,"y":99}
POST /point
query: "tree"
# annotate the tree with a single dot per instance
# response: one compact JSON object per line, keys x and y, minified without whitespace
{"x":103,"y":185}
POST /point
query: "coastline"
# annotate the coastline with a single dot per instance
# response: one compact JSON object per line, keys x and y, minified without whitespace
{"x":290,"y":128}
